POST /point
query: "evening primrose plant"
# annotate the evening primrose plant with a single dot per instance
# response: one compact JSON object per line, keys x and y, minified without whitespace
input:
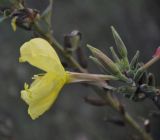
{"x":135,"y":82}
{"x":45,"y":88}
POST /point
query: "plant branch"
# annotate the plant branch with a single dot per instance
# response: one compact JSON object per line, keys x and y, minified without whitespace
{"x":127,"y":118}
{"x":108,"y":98}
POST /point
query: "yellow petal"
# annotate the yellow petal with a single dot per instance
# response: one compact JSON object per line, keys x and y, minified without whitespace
{"x":39,"y":53}
{"x":43,"y":92}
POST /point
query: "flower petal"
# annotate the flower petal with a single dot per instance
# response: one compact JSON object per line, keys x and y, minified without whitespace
{"x":39,"y":53}
{"x":38,"y":108}
{"x":43,"y":92}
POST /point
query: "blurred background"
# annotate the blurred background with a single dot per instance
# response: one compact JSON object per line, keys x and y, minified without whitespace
{"x":138,"y":23}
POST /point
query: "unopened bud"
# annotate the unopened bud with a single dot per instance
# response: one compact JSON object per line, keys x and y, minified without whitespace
{"x":104,"y":59}
{"x":72,"y":40}
{"x":120,"y":45}
{"x":107,"y":62}
{"x":99,"y":64}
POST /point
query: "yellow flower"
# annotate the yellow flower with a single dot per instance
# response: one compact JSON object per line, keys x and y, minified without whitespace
{"x":42,"y":93}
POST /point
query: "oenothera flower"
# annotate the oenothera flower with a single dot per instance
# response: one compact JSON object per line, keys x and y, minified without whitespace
{"x":45,"y":88}
{"x":43,"y":91}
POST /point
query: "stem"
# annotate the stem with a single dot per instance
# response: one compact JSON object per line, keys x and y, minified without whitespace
{"x":107,"y":98}
{"x":133,"y":123}
{"x":127,"y":118}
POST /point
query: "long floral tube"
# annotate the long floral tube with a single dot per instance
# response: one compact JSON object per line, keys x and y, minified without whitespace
{"x":86,"y":77}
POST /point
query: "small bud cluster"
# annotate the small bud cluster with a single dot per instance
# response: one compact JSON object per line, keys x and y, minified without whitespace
{"x":139,"y":83}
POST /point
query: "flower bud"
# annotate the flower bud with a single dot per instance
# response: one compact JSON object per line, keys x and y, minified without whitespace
{"x":105,"y":60}
{"x":120,"y":45}
{"x":121,"y":49}
{"x":99,"y":64}
{"x":108,"y":63}
{"x":72,"y":40}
